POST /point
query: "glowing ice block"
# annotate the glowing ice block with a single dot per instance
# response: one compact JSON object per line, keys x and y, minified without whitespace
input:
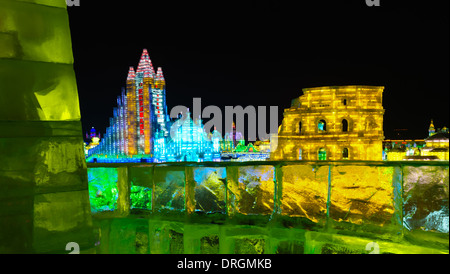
{"x":251,"y":190}
{"x":38,"y":91}
{"x":201,"y":239}
{"x":103,"y":190}
{"x":127,"y":237}
{"x":61,"y":217}
{"x":41,"y":32}
{"x":210,"y":189}
{"x":169,"y":189}
{"x":425,"y":198}
{"x":36,"y":71}
{"x":363,"y":194}
{"x":305,"y":192}
{"x":166,"y":238}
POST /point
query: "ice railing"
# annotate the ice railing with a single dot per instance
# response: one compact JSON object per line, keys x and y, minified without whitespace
{"x":393,"y":196}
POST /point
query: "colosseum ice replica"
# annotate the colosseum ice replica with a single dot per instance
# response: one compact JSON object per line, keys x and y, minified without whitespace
{"x":333,"y":123}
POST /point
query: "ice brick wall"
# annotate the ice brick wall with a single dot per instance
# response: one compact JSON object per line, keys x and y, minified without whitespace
{"x":284,"y":207}
{"x":44,"y":200}
{"x":153,"y":236}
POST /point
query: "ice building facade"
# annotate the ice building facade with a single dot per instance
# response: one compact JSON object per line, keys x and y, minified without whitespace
{"x":433,"y":148}
{"x":333,"y":123}
{"x":188,"y":142}
{"x":92,"y":140}
{"x":139,"y":130}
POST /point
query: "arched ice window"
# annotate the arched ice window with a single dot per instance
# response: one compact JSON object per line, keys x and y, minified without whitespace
{"x":344,"y":125}
{"x":345,"y":153}
{"x":322,"y":154}
{"x":322,"y":125}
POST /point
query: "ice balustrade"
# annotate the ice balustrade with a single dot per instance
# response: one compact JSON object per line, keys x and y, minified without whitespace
{"x":386,"y":201}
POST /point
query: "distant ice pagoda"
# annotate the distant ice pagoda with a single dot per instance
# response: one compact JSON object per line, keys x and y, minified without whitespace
{"x":140,"y":129}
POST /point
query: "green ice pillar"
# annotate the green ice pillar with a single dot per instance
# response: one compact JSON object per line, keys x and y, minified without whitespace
{"x":44,"y":200}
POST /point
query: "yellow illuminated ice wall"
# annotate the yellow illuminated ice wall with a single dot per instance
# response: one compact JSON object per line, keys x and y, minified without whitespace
{"x":333,"y":123}
{"x":44,"y":199}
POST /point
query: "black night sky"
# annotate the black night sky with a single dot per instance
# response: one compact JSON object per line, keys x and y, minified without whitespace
{"x":262,"y":53}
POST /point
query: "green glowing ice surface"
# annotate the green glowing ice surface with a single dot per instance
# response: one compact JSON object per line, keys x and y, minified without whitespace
{"x":140,"y":197}
{"x":103,"y":191}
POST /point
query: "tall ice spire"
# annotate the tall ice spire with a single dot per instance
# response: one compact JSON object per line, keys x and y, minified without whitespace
{"x":431,"y":129}
{"x":145,"y":65}
{"x":131,"y":74}
{"x":159,"y":74}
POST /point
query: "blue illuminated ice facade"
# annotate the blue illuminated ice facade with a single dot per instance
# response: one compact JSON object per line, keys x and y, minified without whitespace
{"x":188,"y":141}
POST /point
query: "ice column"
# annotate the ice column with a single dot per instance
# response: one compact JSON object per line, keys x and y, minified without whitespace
{"x":44,"y":199}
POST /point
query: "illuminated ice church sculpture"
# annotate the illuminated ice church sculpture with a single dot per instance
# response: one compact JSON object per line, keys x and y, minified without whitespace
{"x":141,"y":130}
